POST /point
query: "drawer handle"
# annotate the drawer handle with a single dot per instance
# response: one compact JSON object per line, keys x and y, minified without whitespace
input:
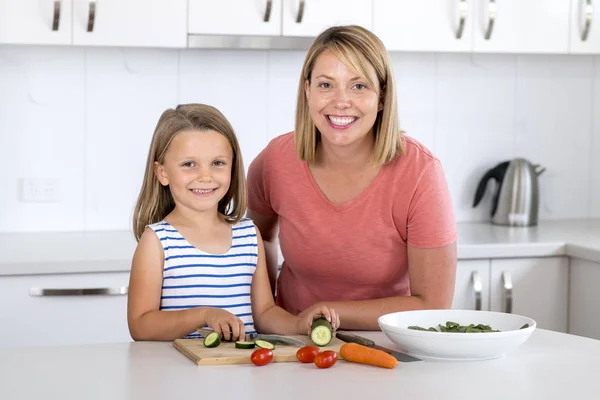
{"x":463,"y":9}
{"x":492,"y":9}
{"x":300,"y":12}
{"x":589,"y":15}
{"x":268,"y":10}
{"x":115,"y":291}
{"x":508,"y":292}
{"x":477,"y":288}
{"x":56,"y":17}
{"x":91,"y":16}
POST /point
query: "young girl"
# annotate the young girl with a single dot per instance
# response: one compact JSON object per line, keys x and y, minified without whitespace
{"x":198,"y":263}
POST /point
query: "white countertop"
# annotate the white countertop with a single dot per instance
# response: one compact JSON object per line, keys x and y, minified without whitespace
{"x":549,"y":365}
{"x":109,"y":251}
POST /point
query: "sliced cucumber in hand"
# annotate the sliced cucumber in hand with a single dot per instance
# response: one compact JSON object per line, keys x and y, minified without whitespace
{"x":240,"y":344}
{"x":213,"y":339}
{"x":263,"y":344}
{"x":321,"y":332}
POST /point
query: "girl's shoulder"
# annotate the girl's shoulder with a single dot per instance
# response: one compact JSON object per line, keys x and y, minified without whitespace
{"x":244,"y":223}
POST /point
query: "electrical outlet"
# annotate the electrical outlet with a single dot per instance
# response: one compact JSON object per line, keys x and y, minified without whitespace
{"x":40,"y":190}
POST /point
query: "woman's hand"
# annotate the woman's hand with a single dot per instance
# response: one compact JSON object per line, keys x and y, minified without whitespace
{"x":225,"y":324}
{"x":306,"y":317}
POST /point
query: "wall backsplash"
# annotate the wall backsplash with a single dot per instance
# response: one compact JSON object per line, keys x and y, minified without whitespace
{"x":85,"y":116}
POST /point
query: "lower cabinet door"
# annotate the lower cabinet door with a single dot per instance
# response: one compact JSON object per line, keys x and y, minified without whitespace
{"x":63,"y":309}
{"x":584,"y":307}
{"x":472,"y":288}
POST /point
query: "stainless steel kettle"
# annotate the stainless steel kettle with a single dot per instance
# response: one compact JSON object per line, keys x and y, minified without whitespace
{"x":516,"y":201}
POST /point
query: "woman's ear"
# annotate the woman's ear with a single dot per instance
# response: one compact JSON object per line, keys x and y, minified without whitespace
{"x":161,"y":174}
{"x":381,"y":99}
{"x":307,"y":89}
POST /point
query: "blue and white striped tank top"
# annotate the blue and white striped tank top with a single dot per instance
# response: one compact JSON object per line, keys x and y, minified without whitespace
{"x":194,"y":278}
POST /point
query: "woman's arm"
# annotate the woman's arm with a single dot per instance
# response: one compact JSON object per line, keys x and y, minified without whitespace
{"x":267,"y":225}
{"x":432,"y":278}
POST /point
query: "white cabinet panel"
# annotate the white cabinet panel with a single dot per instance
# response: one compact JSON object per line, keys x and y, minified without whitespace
{"x":585,"y":35}
{"x":35,"y":21}
{"x":140,"y":23}
{"x":28,"y":320}
{"x":539,"y":289}
{"x":521,"y":26}
{"x":311,"y":17}
{"x":235,"y":17}
{"x":472,"y":289}
{"x":424,"y":25}
{"x":584,"y":306}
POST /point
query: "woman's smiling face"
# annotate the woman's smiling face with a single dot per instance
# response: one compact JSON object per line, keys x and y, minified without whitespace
{"x":343,"y":105}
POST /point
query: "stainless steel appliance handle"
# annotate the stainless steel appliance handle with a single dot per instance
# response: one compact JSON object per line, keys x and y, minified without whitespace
{"x":508,"y":292}
{"x":477,"y":289}
{"x":588,"y":17}
{"x":113,"y":291}
{"x":56,"y":16}
{"x":463,"y":13}
{"x":300,"y":14}
{"x":268,"y":10}
{"x":91,"y":16}
{"x":492,"y":9}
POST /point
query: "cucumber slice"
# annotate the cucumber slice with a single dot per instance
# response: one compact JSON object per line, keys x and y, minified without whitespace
{"x":213,"y":339}
{"x":321,"y":332}
{"x":264,"y":344}
{"x":240,"y":344}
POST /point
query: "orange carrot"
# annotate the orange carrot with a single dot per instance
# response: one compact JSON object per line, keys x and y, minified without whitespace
{"x":357,"y":353}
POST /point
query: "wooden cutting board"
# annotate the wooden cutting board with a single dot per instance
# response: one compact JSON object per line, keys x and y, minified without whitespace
{"x":226,"y":353}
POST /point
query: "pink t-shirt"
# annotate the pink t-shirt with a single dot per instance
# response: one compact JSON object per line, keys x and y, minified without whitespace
{"x":357,"y":250}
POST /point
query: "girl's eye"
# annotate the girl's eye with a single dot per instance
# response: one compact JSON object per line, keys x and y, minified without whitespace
{"x":324,"y":85}
{"x":188,"y":164}
{"x":218,"y":163}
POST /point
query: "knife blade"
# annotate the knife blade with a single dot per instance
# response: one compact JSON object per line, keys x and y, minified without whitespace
{"x":274,"y":339}
{"x":351,"y":338}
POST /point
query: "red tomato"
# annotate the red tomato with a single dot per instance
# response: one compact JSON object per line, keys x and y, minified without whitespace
{"x":326,"y":359}
{"x":307,"y":354}
{"x":261,"y":357}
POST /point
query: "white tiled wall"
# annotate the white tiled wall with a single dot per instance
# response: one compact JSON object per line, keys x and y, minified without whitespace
{"x":86,"y":116}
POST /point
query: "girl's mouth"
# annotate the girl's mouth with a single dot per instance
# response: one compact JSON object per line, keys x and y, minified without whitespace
{"x":203,"y":192}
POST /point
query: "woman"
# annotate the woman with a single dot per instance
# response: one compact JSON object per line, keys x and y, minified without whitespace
{"x":359,"y":206}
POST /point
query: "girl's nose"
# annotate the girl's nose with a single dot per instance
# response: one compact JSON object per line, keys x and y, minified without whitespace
{"x":204,"y":174}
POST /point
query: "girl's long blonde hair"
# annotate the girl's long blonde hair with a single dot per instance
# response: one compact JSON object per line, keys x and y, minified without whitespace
{"x":357,"y":47}
{"x":155,"y":201}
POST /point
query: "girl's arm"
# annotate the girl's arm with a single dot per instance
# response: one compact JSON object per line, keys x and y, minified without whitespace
{"x":270,"y":318}
{"x":145,"y":320}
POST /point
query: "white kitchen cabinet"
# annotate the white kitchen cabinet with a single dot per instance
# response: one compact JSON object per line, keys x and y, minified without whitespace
{"x":534,"y":287}
{"x":311,"y":17}
{"x":472,"y":288}
{"x":521,"y":26}
{"x":584,"y":306}
{"x":424,"y":25}
{"x":28,"y":318}
{"x":130,"y":23}
{"x":585,"y":35}
{"x":35,"y":22}
{"x":235,"y":17}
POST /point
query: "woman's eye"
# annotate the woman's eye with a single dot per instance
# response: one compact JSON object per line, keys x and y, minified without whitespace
{"x":360,"y":86}
{"x":324,"y":85}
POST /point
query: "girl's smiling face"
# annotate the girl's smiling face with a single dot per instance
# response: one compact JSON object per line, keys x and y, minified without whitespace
{"x":343,"y":105}
{"x":197,"y":168}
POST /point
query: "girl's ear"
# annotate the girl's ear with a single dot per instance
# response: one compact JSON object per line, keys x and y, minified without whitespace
{"x":161,"y":174}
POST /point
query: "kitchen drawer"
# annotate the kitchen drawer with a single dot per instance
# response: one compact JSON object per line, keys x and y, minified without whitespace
{"x":33,"y":312}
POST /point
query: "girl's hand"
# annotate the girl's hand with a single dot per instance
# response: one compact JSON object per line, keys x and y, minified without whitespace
{"x":225,"y":324}
{"x":306,"y":317}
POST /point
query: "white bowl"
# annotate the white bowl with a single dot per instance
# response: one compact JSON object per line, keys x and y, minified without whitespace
{"x":456,"y":346}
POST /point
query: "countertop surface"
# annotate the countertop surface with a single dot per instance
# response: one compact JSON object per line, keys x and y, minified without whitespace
{"x":110,"y":251}
{"x":549,"y":365}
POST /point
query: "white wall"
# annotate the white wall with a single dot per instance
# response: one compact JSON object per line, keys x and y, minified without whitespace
{"x":86,"y":116}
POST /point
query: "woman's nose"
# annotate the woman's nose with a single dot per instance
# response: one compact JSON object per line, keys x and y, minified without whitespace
{"x":342,"y":98}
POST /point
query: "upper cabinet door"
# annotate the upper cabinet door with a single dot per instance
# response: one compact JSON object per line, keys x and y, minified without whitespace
{"x":521,"y":26}
{"x":35,"y":21}
{"x":585,"y":28}
{"x":128,"y":23}
{"x":424,"y":25}
{"x":311,"y":17}
{"x":235,"y":17}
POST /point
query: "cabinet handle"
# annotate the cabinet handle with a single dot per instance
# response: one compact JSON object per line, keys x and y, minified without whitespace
{"x":91,"y":16}
{"x":589,"y":15}
{"x":300,"y":12}
{"x":463,"y":12}
{"x":508,"y":289}
{"x":56,"y":17}
{"x":477,"y":288}
{"x":268,"y":10}
{"x":115,"y":291}
{"x":492,"y":9}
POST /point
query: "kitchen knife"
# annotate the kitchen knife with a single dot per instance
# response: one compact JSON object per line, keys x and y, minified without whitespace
{"x":274,"y":339}
{"x":350,"y":338}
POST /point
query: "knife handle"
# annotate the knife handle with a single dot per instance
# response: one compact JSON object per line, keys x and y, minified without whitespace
{"x":350,"y":338}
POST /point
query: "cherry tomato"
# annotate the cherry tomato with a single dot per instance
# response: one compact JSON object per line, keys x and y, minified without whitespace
{"x":326,"y":359}
{"x":261,"y":357}
{"x":307,"y":354}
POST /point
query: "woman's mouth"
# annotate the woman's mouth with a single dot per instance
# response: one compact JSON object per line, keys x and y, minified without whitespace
{"x":203,"y":192}
{"x":340,"y":122}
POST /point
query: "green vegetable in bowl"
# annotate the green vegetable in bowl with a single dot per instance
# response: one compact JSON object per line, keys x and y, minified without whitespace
{"x":457,"y":328}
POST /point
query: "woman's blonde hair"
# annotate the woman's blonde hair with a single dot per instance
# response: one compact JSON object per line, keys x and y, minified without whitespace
{"x":155,"y":201}
{"x":357,"y":47}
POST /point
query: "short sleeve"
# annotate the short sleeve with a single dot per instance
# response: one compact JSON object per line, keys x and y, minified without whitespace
{"x":431,"y":221}
{"x":259,"y":185}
